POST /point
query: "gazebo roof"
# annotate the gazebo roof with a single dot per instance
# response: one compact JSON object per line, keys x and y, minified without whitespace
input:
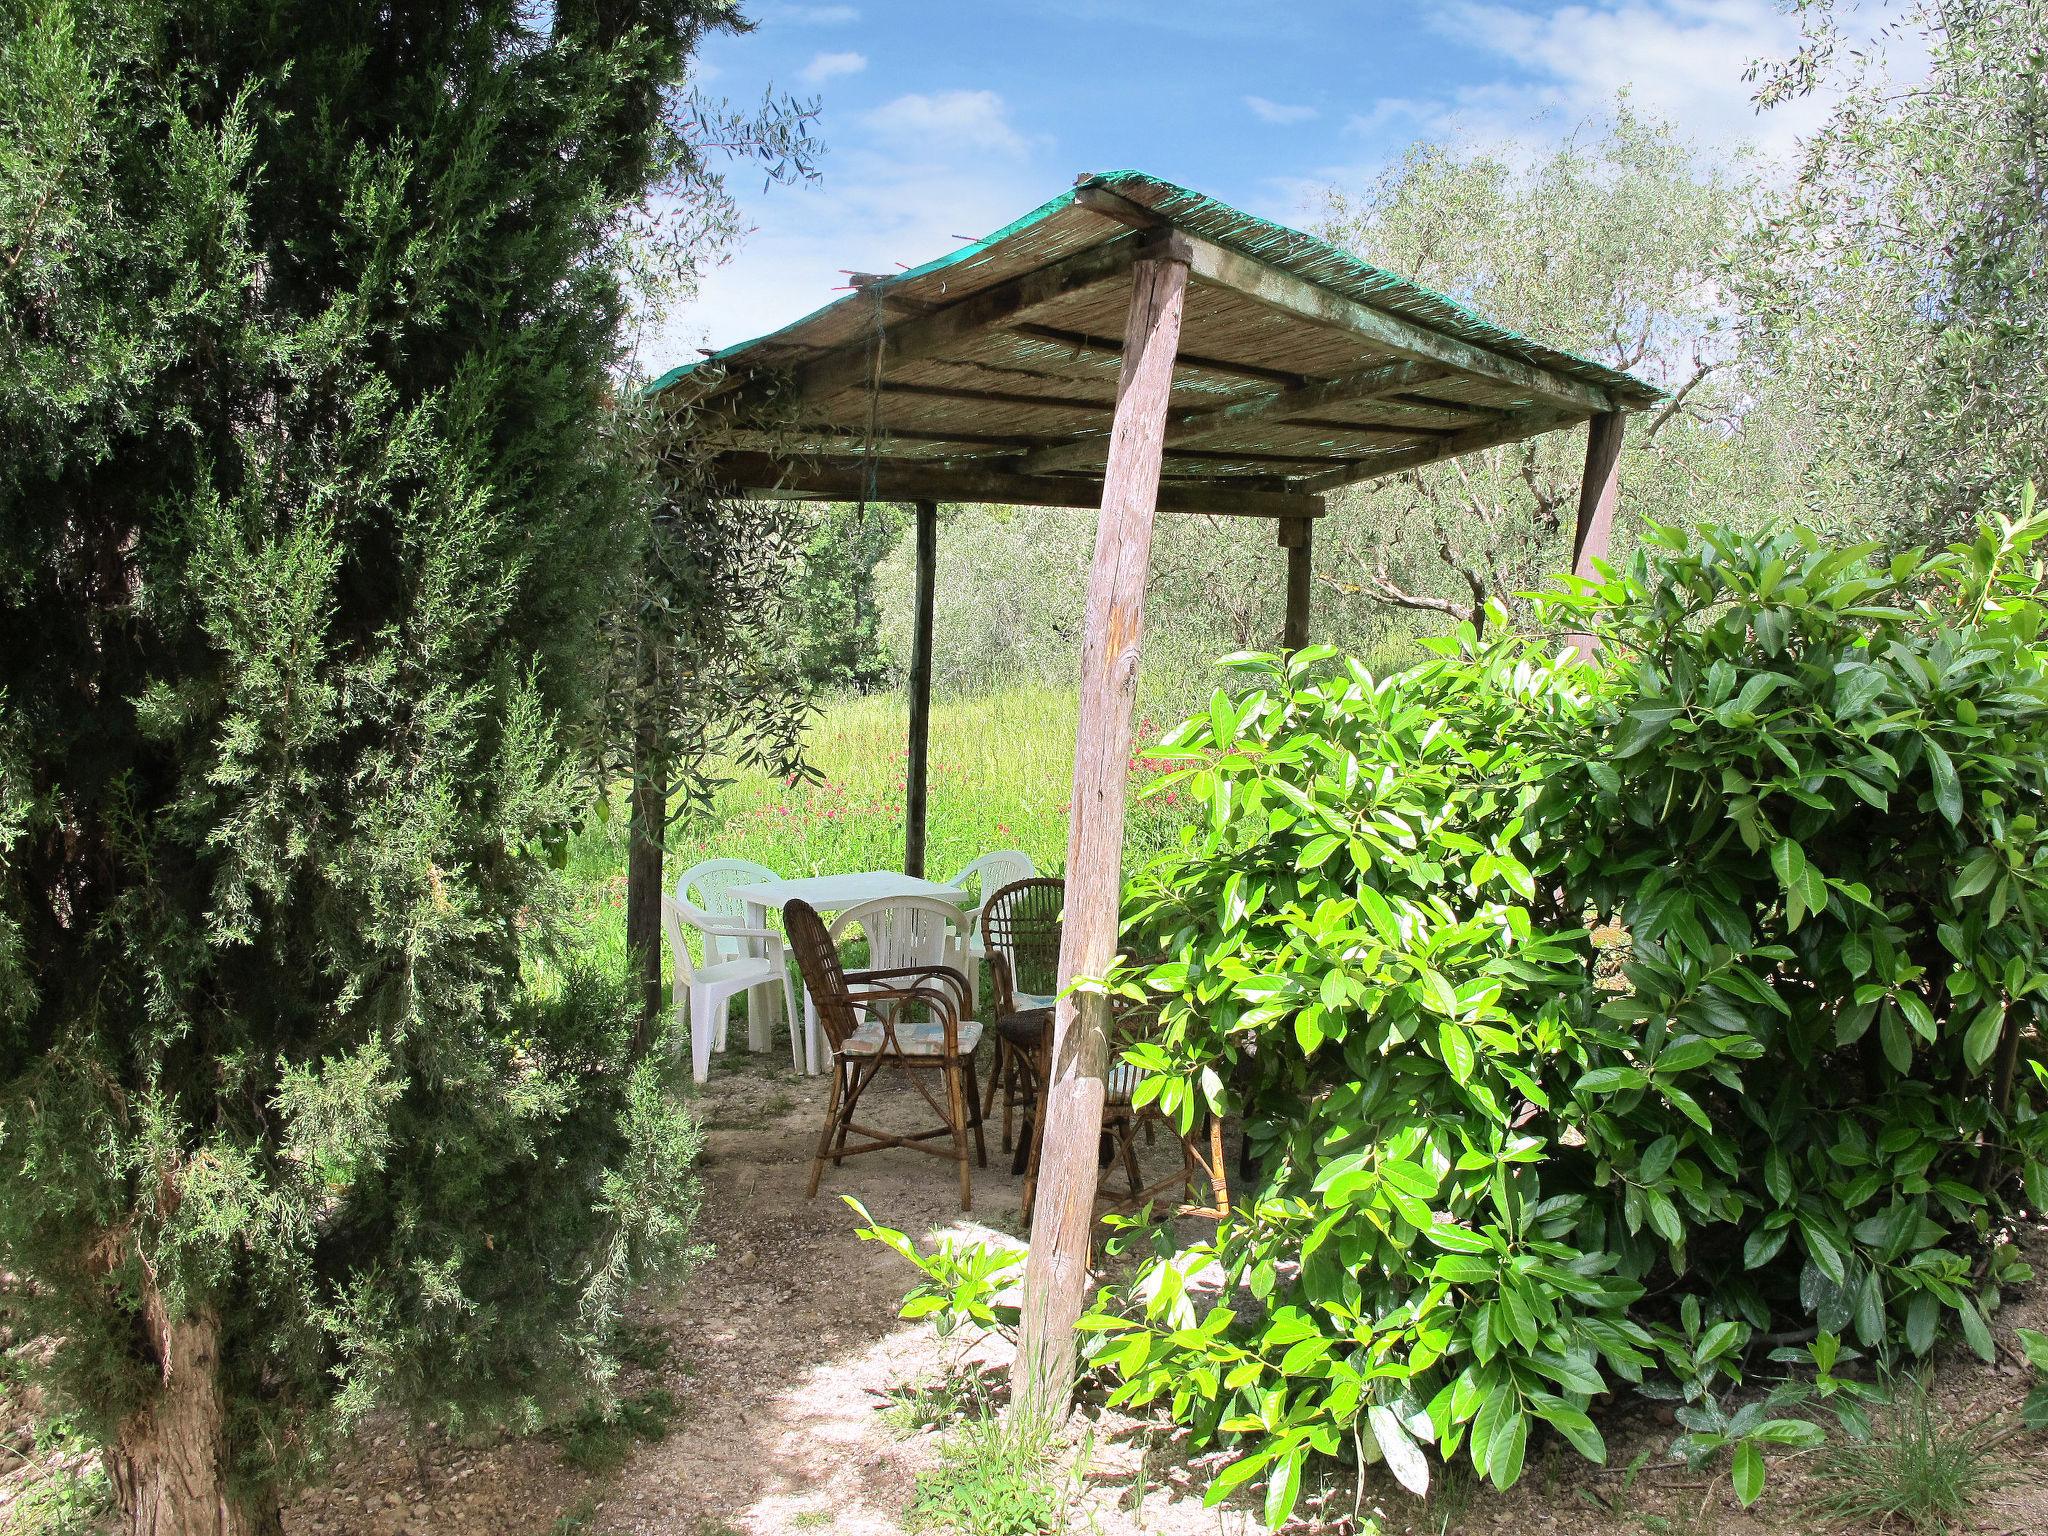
{"x":990,"y":374}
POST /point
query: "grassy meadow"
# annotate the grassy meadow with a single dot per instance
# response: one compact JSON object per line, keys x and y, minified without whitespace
{"x":1001,"y":771}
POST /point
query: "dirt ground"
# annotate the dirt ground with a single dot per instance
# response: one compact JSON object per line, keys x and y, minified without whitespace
{"x":782,"y":1347}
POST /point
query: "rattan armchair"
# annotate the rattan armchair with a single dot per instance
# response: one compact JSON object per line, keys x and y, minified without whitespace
{"x":865,"y":1016}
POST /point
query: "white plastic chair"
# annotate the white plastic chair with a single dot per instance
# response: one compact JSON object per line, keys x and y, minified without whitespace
{"x":737,"y":958}
{"x":994,"y":870}
{"x":903,"y":933}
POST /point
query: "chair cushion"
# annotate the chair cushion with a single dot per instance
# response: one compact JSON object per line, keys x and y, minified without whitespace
{"x":923,"y":1037}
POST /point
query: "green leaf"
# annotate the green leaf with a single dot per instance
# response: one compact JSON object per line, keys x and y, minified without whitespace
{"x":1820,"y":1247}
{"x":1898,"y":1044}
{"x":1923,"y":1317}
{"x":1509,"y":1444}
{"x":1762,"y":1246}
{"x":1572,"y":1424}
{"x":1283,"y":1487}
{"x":1975,"y":1334}
{"x":1455,"y":1239}
{"x":1609,"y":1080}
{"x":1404,"y":1457}
{"x":1643,"y":727}
{"x":1318,"y":851}
{"x":1948,"y":794}
{"x":1438,"y":994}
{"x":1749,"y":1473}
{"x":1789,"y":860}
{"x":1456,"y":1046}
{"x":1983,"y":1035}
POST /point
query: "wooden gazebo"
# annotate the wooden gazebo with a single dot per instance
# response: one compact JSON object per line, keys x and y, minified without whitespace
{"x":1136,"y":347}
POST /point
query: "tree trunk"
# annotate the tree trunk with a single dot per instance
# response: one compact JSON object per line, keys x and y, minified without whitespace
{"x":169,"y":1461}
{"x":647,"y":833}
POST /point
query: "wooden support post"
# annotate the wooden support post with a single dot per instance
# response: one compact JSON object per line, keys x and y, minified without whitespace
{"x":1296,"y":534}
{"x":1599,"y":492}
{"x":916,"y":768}
{"x":1056,"y":1275}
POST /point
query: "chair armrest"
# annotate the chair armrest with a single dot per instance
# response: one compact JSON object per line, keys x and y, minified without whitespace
{"x":944,"y":973}
{"x":742,"y":933}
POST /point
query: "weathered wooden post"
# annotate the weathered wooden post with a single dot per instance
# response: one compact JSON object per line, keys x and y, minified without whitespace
{"x":1599,"y":493}
{"x":916,"y":765}
{"x":1056,"y":1275}
{"x":1296,"y":537}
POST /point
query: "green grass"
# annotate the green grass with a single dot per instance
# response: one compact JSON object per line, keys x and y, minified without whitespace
{"x":1916,"y":1472}
{"x":990,"y":1482}
{"x":1001,"y":771}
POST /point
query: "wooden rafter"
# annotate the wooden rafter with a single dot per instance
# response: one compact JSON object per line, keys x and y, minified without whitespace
{"x":1081,"y":341}
{"x":930,"y":334}
{"x":1471,"y":440}
{"x":1295,"y":400}
{"x":849,"y":479}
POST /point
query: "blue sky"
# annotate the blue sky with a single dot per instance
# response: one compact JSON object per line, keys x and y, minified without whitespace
{"x":947,"y":120}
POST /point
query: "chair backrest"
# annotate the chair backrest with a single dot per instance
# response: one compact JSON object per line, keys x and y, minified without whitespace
{"x":901,"y":931}
{"x":995,"y":870}
{"x":704,"y":899}
{"x":1022,"y":924}
{"x":817,"y":961}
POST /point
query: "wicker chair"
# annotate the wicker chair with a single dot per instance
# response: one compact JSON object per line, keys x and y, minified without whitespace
{"x":864,"y":1018}
{"x":1021,"y":927}
{"x":1203,"y":1169}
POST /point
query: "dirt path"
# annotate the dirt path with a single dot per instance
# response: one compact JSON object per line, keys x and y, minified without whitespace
{"x":783,"y":1345}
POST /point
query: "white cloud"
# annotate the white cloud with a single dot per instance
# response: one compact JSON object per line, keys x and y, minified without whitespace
{"x":829,"y":66}
{"x":1682,"y":60}
{"x":1279,"y":111}
{"x":904,"y":184}
{"x":954,"y":119}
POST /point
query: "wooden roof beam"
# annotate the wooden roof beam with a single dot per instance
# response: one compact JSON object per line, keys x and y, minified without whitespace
{"x":852,"y":439}
{"x":995,"y":396}
{"x":1081,"y":341}
{"x":846,"y":479}
{"x":1208,"y":421}
{"x":1457,"y":445}
{"x":927,"y":335}
{"x":1280,"y":290}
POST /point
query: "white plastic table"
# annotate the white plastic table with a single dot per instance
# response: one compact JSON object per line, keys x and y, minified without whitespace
{"x":829,"y":894}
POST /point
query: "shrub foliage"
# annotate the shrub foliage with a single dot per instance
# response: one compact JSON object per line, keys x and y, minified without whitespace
{"x":1505,"y":1169}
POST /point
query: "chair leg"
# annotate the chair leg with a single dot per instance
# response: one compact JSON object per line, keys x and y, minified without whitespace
{"x":825,"y":1133}
{"x":799,"y":1046}
{"x":995,"y":1073}
{"x":1037,"y":1145}
{"x":1130,"y":1141}
{"x":703,"y":1026}
{"x":974,"y":1112}
{"x":856,"y":1083}
{"x":958,"y":1114}
{"x":998,"y":1084}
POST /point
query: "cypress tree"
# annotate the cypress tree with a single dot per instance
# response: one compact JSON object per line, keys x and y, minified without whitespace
{"x":308,"y":321}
